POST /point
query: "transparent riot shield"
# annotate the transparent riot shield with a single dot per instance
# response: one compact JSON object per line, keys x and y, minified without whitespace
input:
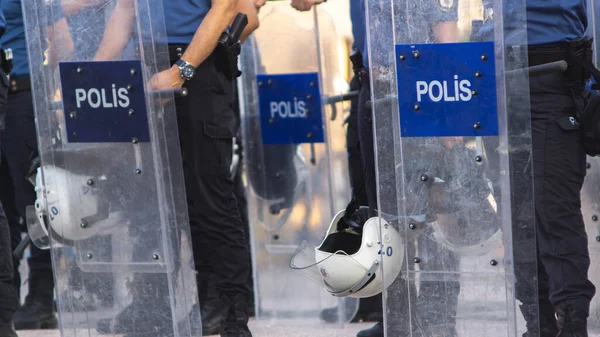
{"x":450,"y":102}
{"x":294,"y":156}
{"x":111,"y":199}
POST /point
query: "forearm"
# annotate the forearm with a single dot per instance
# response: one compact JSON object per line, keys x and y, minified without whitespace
{"x":247,"y":7}
{"x":118,"y":31}
{"x":446,"y":31}
{"x":207,"y":36}
{"x":60,"y":44}
{"x":71,"y":7}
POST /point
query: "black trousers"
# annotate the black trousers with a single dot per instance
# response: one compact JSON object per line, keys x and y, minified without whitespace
{"x":8,"y":295}
{"x":206,"y":122}
{"x":559,"y":168}
{"x":19,"y":147}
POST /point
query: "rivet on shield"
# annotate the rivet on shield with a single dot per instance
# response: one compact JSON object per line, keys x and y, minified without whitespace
{"x":131,"y":112}
{"x":478,"y":159}
{"x":260,"y":83}
{"x":138,"y":171}
{"x":588,"y":166}
{"x":83,"y":224}
{"x":269,"y":82}
{"x":477,"y":126}
{"x":133,"y":71}
{"x":598,"y":238}
{"x":416,"y":260}
{"x":416,"y":54}
{"x":90,"y":182}
{"x":424,"y":177}
{"x":412,"y":226}
{"x":474,"y":93}
{"x":312,"y":84}
{"x":271,"y":121}
{"x":89,"y":255}
{"x":484,"y":57}
{"x":478,"y":74}
{"x":308,"y":97}
{"x":135,"y":140}
{"x":309,"y":135}
{"x":275,"y":237}
{"x":129,"y":87}
{"x":308,"y":111}
{"x":493,"y":262}
{"x":79,"y":70}
{"x":594,"y":217}
{"x":416,"y":107}
{"x":402,"y":57}
{"x":369,"y":244}
{"x":73,"y":115}
{"x":155,"y":257}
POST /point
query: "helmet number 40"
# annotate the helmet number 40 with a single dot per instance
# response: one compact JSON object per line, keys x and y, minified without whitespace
{"x":388,"y":251}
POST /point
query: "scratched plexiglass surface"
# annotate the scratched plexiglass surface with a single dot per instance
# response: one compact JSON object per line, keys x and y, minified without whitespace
{"x":459,"y":192}
{"x":293,"y":189}
{"x":115,"y":211}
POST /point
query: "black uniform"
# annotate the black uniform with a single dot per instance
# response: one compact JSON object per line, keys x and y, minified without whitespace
{"x":8,"y":294}
{"x":558,"y":170}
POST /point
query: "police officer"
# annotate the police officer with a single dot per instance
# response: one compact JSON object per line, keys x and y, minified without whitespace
{"x":433,"y":293}
{"x":8,"y":295}
{"x":370,"y":309}
{"x":559,"y":168}
{"x":559,"y":165}
{"x":19,"y":147}
{"x":206,"y":127}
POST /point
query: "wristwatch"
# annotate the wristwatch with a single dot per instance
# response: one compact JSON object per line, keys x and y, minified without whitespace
{"x":186,"y":69}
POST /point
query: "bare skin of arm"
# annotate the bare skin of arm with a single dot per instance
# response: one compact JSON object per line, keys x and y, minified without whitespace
{"x":118,"y":31}
{"x":446,"y":31}
{"x":71,"y":7}
{"x":249,"y":8}
{"x":60,"y":44}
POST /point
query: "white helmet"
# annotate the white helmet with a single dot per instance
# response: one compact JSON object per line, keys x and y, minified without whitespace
{"x":349,"y":263}
{"x":69,"y":206}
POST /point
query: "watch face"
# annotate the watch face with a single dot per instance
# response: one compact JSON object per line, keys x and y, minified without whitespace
{"x":187,"y":71}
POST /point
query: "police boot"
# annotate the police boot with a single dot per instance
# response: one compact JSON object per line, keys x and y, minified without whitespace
{"x":234,"y":323}
{"x":369,"y":310}
{"x":572,"y":318}
{"x":211,"y":306}
{"x":149,"y":314}
{"x":7,"y":328}
{"x":38,"y":312}
{"x":547,"y":326}
{"x":374,"y":331}
{"x":377,"y":331}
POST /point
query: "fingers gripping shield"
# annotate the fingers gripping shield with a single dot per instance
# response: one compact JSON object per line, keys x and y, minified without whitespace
{"x":352,"y":264}
{"x":110,"y":203}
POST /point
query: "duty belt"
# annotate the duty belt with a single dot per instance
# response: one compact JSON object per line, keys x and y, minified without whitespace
{"x":19,"y":84}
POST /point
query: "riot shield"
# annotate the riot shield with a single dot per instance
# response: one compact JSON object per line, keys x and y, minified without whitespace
{"x":450,"y":104}
{"x":294,"y":155}
{"x":111,"y":197}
